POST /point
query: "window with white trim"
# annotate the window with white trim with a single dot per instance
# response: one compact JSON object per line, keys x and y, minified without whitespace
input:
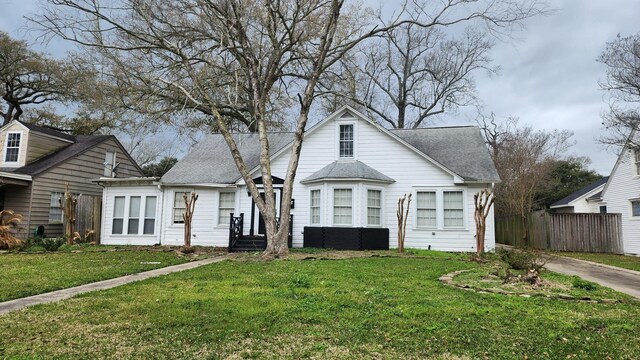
{"x":55,"y":208}
{"x":635,"y":208}
{"x":178,"y":207}
{"x":374,"y":207}
{"x":637,"y":161}
{"x":226,"y":206}
{"x":149,"y":216}
{"x":109,"y":163}
{"x":426,"y":209}
{"x":117,"y":226}
{"x":133,"y":223}
{"x":453,"y":205}
{"x":342,"y":206}
{"x":315,"y":207}
{"x":346,"y":141}
{"x":12,"y":148}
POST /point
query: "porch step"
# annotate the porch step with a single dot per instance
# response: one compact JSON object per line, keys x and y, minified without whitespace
{"x":250,"y":244}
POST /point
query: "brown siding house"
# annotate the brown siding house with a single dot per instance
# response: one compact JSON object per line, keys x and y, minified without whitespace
{"x":36,"y":162}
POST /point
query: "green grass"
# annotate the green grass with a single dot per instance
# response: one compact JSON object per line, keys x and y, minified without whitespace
{"x":26,"y":274}
{"x":627,"y":262}
{"x":380,"y":307}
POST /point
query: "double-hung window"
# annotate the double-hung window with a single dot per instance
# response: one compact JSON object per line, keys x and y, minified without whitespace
{"x":342,"y":206}
{"x":226,"y":207}
{"x":109,"y":163}
{"x":426,"y":209}
{"x":453,"y":205}
{"x":118,"y":215}
{"x":178,"y":207}
{"x":637,"y":161}
{"x":635,"y":208}
{"x":374,"y":207}
{"x":12,"y":149}
{"x":134,"y":215}
{"x":149,"y":216}
{"x":346,"y":141}
{"x":55,"y":208}
{"x":315,"y":207}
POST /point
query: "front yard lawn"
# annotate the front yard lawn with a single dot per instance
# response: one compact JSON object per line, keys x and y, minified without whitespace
{"x":376,"y":307}
{"x":30,"y":274}
{"x":627,"y":262}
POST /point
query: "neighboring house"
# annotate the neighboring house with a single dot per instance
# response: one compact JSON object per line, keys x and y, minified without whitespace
{"x":586,"y":200}
{"x":350,"y":176}
{"x":36,"y":162}
{"x":621,"y":195}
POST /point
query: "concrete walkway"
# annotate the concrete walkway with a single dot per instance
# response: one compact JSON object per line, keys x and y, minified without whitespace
{"x":623,"y":280}
{"x":17,"y":304}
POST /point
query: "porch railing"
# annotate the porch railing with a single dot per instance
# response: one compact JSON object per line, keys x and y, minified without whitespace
{"x":235,"y":229}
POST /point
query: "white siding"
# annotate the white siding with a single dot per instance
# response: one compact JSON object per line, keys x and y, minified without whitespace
{"x":392,"y":158}
{"x":205,"y":230}
{"x":623,"y":185}
{"x":109,"y":195}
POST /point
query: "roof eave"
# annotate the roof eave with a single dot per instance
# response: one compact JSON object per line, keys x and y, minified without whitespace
{"x":312,"y":181}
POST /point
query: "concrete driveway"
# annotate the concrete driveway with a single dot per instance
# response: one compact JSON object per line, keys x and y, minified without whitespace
{"x":623,"y":280}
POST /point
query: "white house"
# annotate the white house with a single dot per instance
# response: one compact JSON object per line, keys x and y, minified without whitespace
{"x":621,"y":195}
{"x":586,"y":200}
{"x":350,"y":176}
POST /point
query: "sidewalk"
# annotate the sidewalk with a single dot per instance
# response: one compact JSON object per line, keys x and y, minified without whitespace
{"x":17,"y":304}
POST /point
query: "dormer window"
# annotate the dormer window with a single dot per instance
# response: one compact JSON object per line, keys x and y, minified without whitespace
{"x":12,"y":148}
{"x":346,"y":141}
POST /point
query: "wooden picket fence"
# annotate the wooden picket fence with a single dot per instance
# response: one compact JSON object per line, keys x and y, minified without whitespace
{"x":597,"y":233}
{"x":88,"y":215}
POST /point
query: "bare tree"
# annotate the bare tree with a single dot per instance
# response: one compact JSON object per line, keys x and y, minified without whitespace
{"x":622,"y":83}
{"x":190,"y":206}
{"x":242,"y":59}
{"x":414,"y":73}
{"x":524,"y":158}
{"x":483,"y":201}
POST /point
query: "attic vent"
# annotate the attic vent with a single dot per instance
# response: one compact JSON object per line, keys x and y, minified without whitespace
{"x":347,"y":115}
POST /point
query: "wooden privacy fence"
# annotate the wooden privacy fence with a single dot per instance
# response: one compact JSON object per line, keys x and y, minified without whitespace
{"x":598,"y":233}
{"x":88,"y":215}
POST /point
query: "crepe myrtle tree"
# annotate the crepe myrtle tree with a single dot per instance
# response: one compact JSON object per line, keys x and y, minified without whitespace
{"x":244,"y":59}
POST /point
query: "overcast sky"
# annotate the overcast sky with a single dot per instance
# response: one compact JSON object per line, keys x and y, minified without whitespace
{"x":548,"y":78}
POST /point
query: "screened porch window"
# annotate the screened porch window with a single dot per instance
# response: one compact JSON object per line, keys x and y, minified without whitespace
{"x":118,"y":215}
{"x":149,"y":216}
{"x":342,"y":206}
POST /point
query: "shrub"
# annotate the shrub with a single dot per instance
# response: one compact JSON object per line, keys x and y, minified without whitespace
{"x":520,"y":259}
{"x":9,"y":222}
{"x":53,"y":244}
{"x":578,"y":283}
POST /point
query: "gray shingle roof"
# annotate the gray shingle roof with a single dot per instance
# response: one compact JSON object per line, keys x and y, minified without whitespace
{"x":48,"y":131}
{"x":348,"y":170}
{"x":210,"y":161}
{"x":581,"y":192}
{"x":82,"y":144}
{"x":460,"y":149}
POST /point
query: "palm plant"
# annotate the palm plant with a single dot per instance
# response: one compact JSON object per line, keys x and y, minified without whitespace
{"x":9,"y":222}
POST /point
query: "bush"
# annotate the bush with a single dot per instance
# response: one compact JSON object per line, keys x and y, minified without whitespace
{"x":53,"y":244}
{"x":578,"y":283}
{"x":520,"y":259}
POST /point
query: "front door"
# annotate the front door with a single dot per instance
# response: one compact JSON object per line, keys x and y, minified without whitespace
{"x":259,"y":220}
